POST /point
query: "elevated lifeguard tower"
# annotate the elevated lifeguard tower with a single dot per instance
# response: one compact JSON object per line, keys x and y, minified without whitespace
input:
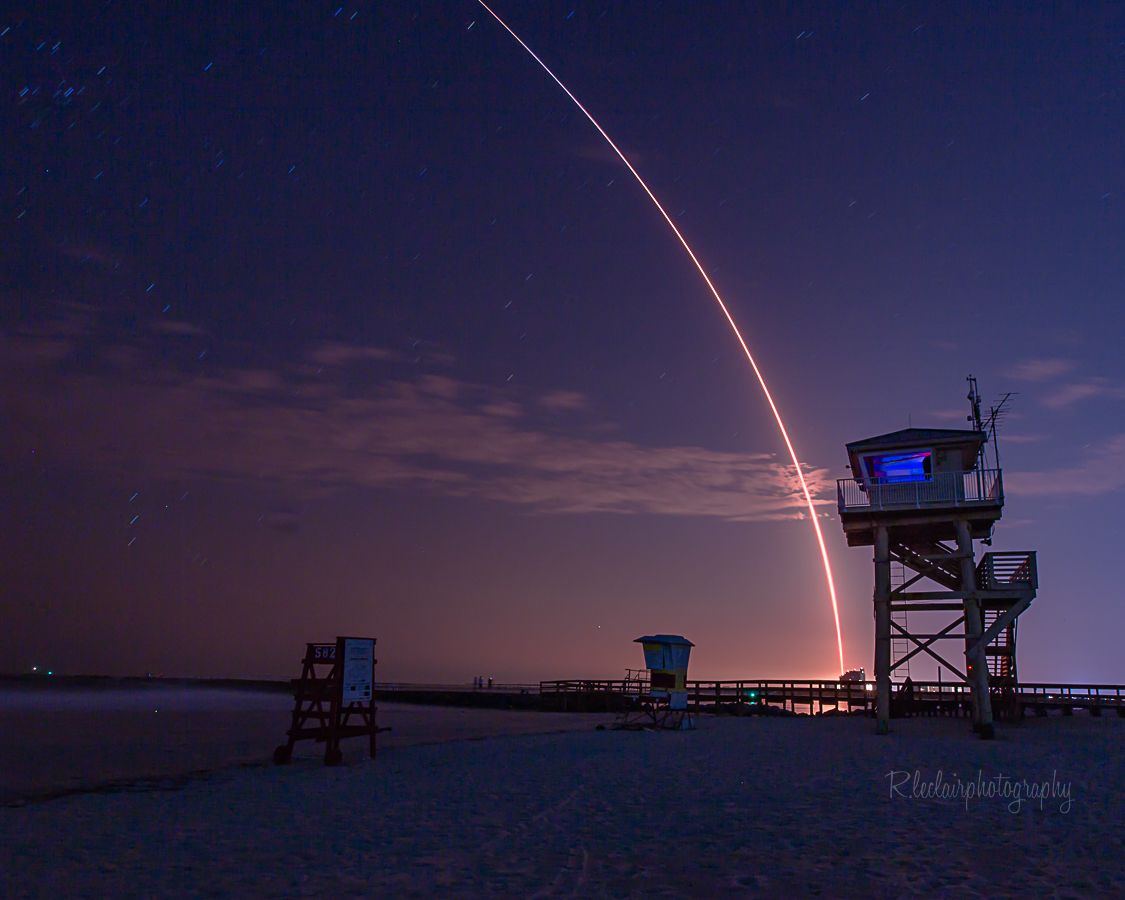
{"x":920,"y":497}
{"x":665,"y":703}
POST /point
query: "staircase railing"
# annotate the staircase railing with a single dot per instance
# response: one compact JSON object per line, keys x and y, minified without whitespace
{"x":1000,"y":653}
{"x":1002,"y":570}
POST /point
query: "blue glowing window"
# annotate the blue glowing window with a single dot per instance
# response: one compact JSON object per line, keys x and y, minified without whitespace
{"x":895,"y":468}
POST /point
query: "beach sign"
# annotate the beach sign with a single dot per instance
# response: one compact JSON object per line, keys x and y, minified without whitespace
{"x":359,"y":670}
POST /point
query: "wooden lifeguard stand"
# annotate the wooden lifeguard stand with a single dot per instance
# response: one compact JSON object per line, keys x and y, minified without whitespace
{"x":921,"y":497}
{"x":665,"y":703}
{"x":334,"y":698}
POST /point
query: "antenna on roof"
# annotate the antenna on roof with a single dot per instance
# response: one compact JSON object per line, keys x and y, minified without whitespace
{"x":995,"y":414}
{"x":989,"y":425}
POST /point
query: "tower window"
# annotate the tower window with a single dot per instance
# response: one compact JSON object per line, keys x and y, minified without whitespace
{"x":896,"y":468}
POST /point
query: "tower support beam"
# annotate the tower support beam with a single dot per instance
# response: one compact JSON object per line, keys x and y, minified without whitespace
{"x":974,"y":627}
{"x":930,"y":639}
{"x":882,"y":629}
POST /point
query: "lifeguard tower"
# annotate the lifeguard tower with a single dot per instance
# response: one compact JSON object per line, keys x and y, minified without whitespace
{"x":920,"y":497}
{"x":665,"y":703}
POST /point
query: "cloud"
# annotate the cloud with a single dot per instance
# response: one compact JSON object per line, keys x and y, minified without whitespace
{"x":1100,"y":472}
{"x":337,"y":354}
{"x":252,"y":381}
{"x":91,"y":252}
{"x":174,"y":326}
{"x":1050,"y":371}
{"x":1076,"y":391}
{"x":331,"y":353}
{"x":43,"y":344}
{"x":1042,"y":369}
{"x":283,"y":520}
{"x":431,"y":433}
{"x":951,"y":415}
{"x":563,"y":401}
{"x":35,"y":352}
{"x":502,"y":408}
{"x":1022,"y":438}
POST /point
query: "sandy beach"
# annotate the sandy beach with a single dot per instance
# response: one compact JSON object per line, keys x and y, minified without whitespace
{"x":472,"y":802}
{"x":58,"y":742}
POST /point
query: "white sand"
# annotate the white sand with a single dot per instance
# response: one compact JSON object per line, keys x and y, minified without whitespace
{"x":745,"y":806}
{"x":54,"y":742}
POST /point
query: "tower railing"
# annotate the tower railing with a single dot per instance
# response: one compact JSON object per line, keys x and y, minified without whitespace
{"x":980,"y":487}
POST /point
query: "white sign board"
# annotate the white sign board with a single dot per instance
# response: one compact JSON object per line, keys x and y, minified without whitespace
{"x":358,"y":670}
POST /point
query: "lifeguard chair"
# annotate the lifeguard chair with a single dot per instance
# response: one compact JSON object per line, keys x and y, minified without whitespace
{"x":665,"y":702}
{"x":334,"y":698}
{"x":920,"y":497}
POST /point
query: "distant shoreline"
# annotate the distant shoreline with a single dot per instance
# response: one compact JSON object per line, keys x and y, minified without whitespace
{"x":426,"y":695}
{"x":35,"y":680}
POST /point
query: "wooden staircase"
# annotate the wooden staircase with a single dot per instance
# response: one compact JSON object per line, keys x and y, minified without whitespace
{"x":932,"y":559}
{"x":1004,"y":579}
{"x":1001,"y":653}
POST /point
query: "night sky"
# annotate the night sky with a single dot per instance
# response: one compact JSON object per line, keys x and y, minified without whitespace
{"x":321,"y":320}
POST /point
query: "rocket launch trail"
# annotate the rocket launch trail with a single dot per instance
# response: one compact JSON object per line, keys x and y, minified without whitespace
{"x":726,"y":313}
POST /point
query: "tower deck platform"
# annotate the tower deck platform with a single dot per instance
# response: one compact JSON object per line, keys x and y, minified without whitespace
{"x":921,"y":510}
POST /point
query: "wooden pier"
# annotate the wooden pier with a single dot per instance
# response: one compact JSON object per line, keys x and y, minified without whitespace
{"x":821,"y":697}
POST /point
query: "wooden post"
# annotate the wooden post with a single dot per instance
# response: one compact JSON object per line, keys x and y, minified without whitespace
{"x":974,"y":628}
{"x":882,"y":629}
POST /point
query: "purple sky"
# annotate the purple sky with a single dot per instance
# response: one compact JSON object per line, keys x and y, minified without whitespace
{"x":335,"y":320}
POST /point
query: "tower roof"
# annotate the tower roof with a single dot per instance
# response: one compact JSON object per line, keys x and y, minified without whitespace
{"x":913,"y":437}
{"x":671,"y":639}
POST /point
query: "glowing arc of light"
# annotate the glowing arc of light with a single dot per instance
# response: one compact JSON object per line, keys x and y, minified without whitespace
{"x":726,"y":313}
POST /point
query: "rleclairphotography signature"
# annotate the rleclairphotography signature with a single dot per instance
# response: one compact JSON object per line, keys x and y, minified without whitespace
{"x":1016,"y":792}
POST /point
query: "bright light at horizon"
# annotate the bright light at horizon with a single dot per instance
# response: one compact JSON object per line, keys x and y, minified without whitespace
{"x":726,"y":313}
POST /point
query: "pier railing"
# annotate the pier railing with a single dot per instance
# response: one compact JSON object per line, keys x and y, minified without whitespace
{"x":1094,"y":697}
{"x":799,"y":696}
{"x":391,"y":687}
{"x":980,"y":487}
{"x":816,"y":696}
{"x":823,"y":696}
